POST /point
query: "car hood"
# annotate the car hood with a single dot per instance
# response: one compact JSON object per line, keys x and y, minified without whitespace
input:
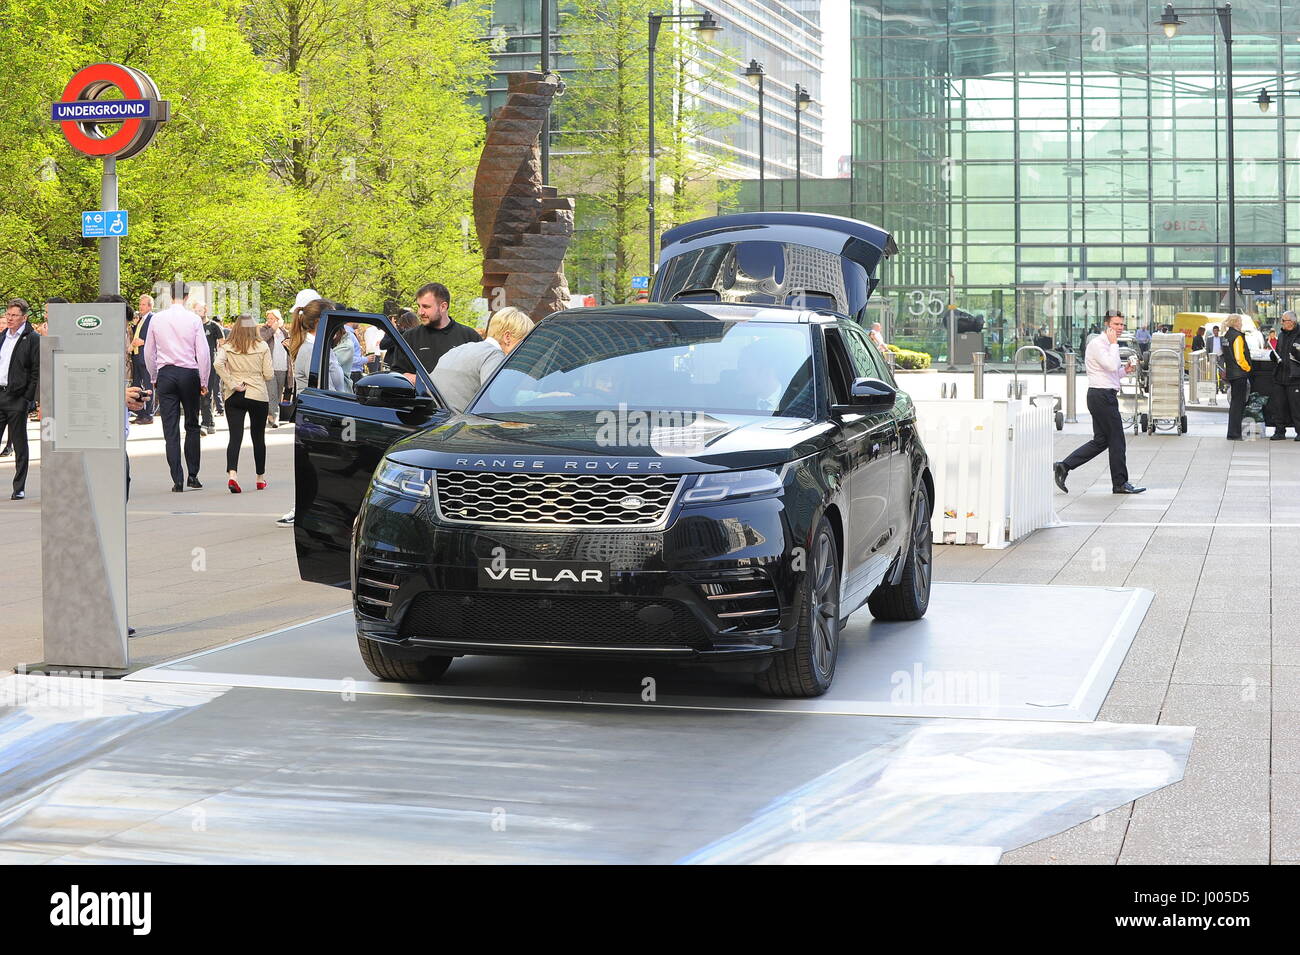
{"x":610,"y":442}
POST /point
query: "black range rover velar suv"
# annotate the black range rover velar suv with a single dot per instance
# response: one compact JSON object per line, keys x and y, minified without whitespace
{"x":721,"y":476}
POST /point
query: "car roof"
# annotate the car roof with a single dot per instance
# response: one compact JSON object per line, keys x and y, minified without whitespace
{"x":684,"y":312}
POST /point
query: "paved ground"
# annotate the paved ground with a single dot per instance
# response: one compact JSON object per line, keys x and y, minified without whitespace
{"x":1217,"y":538}
{"x":206,"y":567}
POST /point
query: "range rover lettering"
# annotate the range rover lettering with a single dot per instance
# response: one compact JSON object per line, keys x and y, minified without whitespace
{"x":718,"y":477}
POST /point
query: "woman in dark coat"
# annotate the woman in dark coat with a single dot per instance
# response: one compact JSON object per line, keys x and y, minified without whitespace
{"x":1236,"y":371}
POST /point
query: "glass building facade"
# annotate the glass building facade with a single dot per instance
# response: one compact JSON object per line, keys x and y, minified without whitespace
{"x":783,"y":35}
{"x":1040,"y":161}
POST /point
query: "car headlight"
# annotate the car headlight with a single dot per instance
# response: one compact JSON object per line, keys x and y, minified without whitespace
{"x":404,"y":479}
{"x":727,"y":485}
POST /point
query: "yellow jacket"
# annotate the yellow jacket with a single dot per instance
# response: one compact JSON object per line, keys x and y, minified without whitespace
{"x":1239,"y":353}
{"x":252,"y":370}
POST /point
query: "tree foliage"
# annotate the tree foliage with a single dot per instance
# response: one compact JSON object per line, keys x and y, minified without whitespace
{"x":200,"y":201}
{"x":605,"y":107}
{"x":312,"y":142}
{"x":382,"y":141}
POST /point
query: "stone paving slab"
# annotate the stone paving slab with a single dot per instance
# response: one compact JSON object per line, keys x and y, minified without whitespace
{"x":1218,"y":648}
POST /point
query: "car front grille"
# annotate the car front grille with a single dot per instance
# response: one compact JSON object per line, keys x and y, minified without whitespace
{"x":555,"y":500}
{"x":595,"y":620}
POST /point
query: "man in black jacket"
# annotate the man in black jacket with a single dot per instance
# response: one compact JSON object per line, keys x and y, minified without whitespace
{"x":1287,"y":376}
{"x":20,"y":370}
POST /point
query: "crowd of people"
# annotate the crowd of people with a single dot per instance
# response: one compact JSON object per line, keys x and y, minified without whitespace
{"x":187,"y":367}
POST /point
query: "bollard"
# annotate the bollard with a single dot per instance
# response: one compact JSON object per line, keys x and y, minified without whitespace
{"x":1071,"y":373}
{"x":977,"y":365}
{"x":1193,"y":380}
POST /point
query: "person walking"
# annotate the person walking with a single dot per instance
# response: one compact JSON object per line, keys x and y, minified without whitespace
{"x":1287,"y":376}
{"x":273,"y":333}
{"x":177,"y":359}
{"x":214,"y":333}
{"x":1236,"y":371}
{"x":244,"y":364}
{"x":1102,"y":362}
{"x":20,"y":372}
{"x":462,"y":372}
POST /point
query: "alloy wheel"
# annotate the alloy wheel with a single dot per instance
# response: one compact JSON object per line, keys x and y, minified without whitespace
{"x":922,"y":546}
{"x":824,"y":609}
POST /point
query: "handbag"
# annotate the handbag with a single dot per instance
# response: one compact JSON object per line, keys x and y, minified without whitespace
{"x":289,"y":406}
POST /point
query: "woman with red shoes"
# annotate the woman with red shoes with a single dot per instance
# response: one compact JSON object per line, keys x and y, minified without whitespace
{"x":244,"y":363}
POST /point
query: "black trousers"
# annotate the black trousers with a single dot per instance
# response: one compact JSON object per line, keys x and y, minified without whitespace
{"x":1288,"y":407}
{"x":1238,"y":392}
{"x":1107,"y":435}
{"x":237,"y":405}
{"x":140,"y":378}
{"x":13,"y":420}
{"x":178,"y":390}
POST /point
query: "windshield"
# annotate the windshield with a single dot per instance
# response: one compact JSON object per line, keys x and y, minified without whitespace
{"x":592,"y":364}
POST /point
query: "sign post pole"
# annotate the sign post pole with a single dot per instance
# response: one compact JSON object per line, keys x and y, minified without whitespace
{"x":110,"y":281}
{"x":84,"y":466}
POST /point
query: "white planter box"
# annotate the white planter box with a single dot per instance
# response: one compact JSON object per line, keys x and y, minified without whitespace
{"x":992,"y":467}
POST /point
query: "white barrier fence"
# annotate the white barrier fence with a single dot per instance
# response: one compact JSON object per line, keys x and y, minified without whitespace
{"x":992,"y":467}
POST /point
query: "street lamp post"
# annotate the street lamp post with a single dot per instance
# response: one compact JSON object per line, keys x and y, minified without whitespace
{"x":546,"y":68}
{"x":1171,"y":21}
{"x":754,"y":74}
{"x":708,"y":28}
{"x":801,"y":101}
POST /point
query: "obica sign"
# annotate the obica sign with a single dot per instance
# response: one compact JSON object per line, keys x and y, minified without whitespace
{"x":82,"y":113}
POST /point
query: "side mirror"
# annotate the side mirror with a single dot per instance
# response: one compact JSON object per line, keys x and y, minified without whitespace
{"x":866,"y":395}
{"x":391,"y":390}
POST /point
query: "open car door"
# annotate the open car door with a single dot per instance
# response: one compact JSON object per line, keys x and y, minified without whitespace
{"x":339,"y":441}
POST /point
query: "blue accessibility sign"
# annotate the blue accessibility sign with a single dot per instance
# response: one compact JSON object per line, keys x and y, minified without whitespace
{"x":103,"y":225}
{"x":640,"y":283}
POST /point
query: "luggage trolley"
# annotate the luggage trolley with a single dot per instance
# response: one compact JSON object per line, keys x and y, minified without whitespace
{"x":1166,"y":405}
{"x":1017,"y":390}
{"x":1132,"y":391}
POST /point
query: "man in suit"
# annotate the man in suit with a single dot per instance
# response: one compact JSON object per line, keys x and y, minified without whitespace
{"x":139,"y":371}
{"x":20,"y":370}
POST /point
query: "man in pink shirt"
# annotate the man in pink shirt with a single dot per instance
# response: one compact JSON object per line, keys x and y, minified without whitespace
{"x":176,"y":354}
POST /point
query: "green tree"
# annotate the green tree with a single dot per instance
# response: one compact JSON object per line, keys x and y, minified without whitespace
{"x":692,"y":155}
{"x":382,"y":141}
{"x":607,"y":102}
{"x":200,"y":201}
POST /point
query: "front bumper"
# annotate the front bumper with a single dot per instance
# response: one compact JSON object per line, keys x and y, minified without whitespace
{"x":716,"y":584}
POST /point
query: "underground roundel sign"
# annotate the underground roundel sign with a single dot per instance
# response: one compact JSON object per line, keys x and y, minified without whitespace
{"x":84,"y":116}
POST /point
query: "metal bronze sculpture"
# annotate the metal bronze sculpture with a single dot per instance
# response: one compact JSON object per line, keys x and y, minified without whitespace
{"x":523,"y":226}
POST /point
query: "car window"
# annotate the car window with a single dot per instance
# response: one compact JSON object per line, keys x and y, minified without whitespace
{"x":840,"y":368}
{"x":596,"y":363}
{"x":866,"y":356}
{"x":347,"y":354}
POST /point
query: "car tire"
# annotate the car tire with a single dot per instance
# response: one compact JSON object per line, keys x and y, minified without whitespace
{"x":390,"y":664}
{"x":910,"y":597}
{"x":808,"y":668}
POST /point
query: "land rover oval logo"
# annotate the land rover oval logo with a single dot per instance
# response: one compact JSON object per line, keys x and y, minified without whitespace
{"x":89,"y":321}
{"x":631,"y":502}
